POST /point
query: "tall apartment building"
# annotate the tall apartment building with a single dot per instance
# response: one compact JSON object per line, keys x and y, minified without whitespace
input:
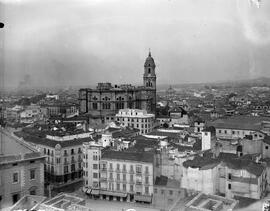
{"x":63,"y":155}
{"x":136,"y":118}
{"x":21,"y":170}
{"x":118,"y":175}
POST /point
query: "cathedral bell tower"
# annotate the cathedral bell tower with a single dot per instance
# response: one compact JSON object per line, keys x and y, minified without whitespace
{"x":149,"y":76}
{"x":149,"y":82}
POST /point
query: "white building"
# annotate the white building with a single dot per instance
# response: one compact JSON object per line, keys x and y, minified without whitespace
{"x":118,"y":175}
{"x":136,"y":118}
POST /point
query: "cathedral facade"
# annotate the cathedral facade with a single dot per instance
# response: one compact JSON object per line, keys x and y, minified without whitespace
{"x":106,"y":100}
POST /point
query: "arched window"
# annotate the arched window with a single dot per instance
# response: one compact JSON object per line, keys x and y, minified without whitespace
{"x":106,"y":104}
{"x":94,"y":104}
{"x":130,"y":103}
{"x":119,"y":103}
{"x":149,"y":70}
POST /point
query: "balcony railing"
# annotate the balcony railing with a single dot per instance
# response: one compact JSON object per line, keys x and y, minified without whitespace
{"x":103,"y":169}
{"x":73,"y":161}
{"x":131,"y":171}
{"x":138,"y":183}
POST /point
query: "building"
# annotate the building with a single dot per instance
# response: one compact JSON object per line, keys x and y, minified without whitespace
{"x":31,"y":114}
{"x":226,"y":174}
{"x":106,"y":100}
{"x":21,"y":170}
{"x":167,"y":192}
{"x":123,"y":175}
{"x":61,"y":202}
{"x":63,"y":153}
{"x":207,"y":202}
{"x":136,"y":118}
{"x":241,"y":126}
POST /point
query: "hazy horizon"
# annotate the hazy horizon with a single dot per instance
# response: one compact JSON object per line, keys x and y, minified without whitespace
{"x":74,"y":43}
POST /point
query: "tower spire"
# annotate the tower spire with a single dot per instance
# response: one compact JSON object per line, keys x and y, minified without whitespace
{"x":149,"y":52}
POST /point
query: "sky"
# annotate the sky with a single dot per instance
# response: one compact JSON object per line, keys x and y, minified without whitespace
{"x":83,"y":42}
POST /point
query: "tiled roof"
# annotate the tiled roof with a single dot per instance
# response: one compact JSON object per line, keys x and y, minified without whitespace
{"x":266,"y":140}
{"x":231,"y":160}
{"x":147,"y":157}
{"x":240,"y":122}
{"x":50,"y":143}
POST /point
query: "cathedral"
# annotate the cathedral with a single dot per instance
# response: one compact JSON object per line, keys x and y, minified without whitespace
{"x":106,"y":100}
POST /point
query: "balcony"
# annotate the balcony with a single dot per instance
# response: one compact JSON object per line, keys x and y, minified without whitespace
{"x":118,"y":170}
{"x":124,"y":170}
{"x":103,"y":169}
{"x":139,"y":172}
{"x":66,"y":162}
{"x":138,"y":183}
{"x":73,"y":161}
{"x":65,"y":154}
{"x":131,"y":171}
{"x":103,"y":179}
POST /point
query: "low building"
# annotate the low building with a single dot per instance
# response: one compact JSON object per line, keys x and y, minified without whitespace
{"x":241,"y":126}
{"x":21,"y":170}
{"x":65,"y":202}
{"x":167,"y":192}
{"x":123,"y":175}
{"x":136,"y":118}
{"x":226,"y":174}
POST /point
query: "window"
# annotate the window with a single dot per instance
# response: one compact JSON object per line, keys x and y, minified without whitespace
{"x":225,"y":131}
{"x":65,"y":169}
{"x":15,"y":177}
{"x":72,"y":167}
{"x":162,"y":191}
{"x":229,"y":186}
{"x":146,"y":180}
{"x":146,"y":190}
{"x":32,"y":174}
{"x":149,"y":70}
{"x":155,"y":190}
{"x":131,"y":168}
{"x":124,"y":167}
{"x":15,"y":198}
{"x":118,"y":177}
{"x":229,"y":176}
{"x":72,"y":151}
{"x":131,"y":188}
{"x":124,"y":177}
{"x":111,"y":166}
{"x":146,"y":169}
{"x":33,"y":192}
{"x":118,"y":186}
{"x":266,"y":147}
{"x":118,"y":166}
{"x":124,"y":187}
{"x":111,"y":175}
{"x":171,"y":192}
{"x":58,"y":160}
{"x":95,"y":175}
{"x":131,"y":178}
{"x":233,"y":132}
{"x":95,"y":166}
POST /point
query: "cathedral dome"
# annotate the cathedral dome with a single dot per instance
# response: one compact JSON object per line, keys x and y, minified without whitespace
{"x":149,"y":61}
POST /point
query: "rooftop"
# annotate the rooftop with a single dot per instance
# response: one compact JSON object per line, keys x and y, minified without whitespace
{"x":146,"y":157}
{"x":209,"y":202}
{"x":35,"y":139}
{"x":240,"y":122}
{"x":14,"y":149}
